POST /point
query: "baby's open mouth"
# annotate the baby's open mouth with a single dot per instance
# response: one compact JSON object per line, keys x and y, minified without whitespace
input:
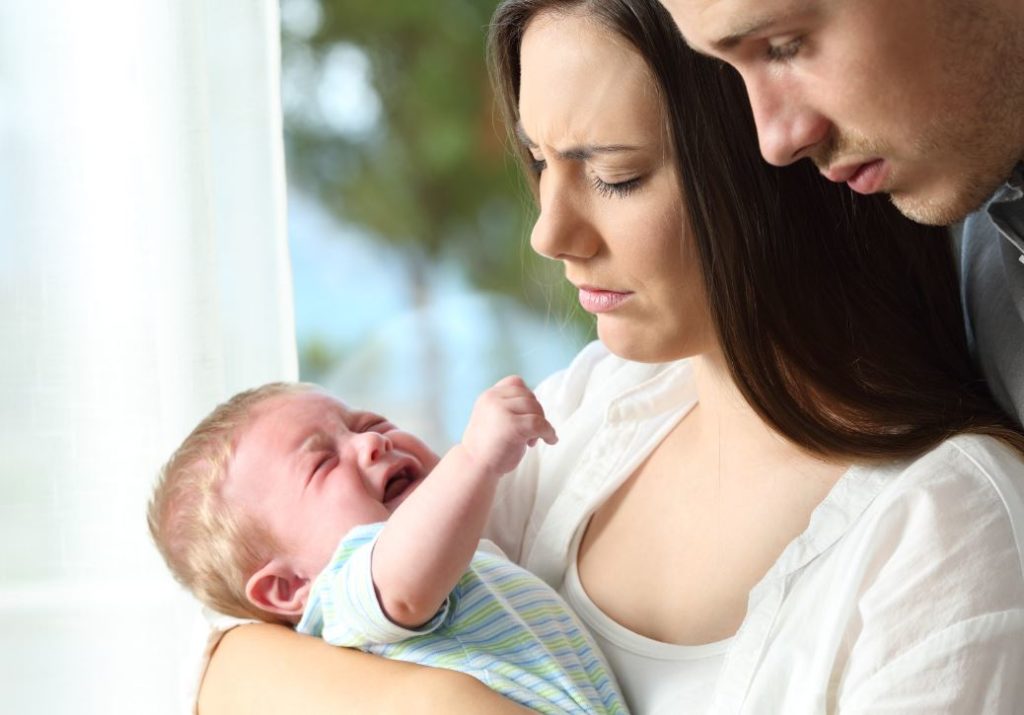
{"x":397,"y":484}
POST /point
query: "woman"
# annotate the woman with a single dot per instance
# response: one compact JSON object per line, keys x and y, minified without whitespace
{"x":780,"y":523}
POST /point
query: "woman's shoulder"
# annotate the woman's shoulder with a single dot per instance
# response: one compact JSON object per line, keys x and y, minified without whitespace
{"x":928,"y":581}
{"x":960,"y":506}
{"x":968,"y":464}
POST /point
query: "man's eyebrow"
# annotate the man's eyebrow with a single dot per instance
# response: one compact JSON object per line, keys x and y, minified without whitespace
{"x":758,"y":24}
{"x":751,"y":27}
{"x":577,"y":153}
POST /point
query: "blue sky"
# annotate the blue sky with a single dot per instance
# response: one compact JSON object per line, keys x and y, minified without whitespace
{"x":351,"y":292}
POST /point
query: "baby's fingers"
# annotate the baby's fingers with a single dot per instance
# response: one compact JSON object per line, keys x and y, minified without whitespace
{"x":510,"y":381}
{"x":523,"y":405}
{"x":534,"y":427}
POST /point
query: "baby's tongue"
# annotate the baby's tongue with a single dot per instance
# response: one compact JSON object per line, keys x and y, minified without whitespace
{"x":396,"y":486}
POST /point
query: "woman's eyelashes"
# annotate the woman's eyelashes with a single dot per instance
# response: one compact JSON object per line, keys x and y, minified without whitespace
{"x":618,"y":189}
{"x":607,"y":189}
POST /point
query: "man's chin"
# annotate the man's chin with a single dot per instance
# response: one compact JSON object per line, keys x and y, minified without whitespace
{"x":941,"y":208}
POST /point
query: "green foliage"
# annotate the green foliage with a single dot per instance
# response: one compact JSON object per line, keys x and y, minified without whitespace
{"x":316,"y":358}
{"x":435,"y":175}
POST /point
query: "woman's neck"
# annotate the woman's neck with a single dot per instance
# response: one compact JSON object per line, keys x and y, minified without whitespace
{"x":731,"y":427}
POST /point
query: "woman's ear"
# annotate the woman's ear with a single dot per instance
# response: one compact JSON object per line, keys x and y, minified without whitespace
{"x":278,"y":589}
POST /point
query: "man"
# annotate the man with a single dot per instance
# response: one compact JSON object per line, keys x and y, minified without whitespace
{"x":919,"y":99}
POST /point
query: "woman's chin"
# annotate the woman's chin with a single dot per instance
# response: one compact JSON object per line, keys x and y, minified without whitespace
{"x":639,"y":347}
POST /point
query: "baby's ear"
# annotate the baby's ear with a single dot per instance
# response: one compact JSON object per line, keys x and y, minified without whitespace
{"x":278,"y":589}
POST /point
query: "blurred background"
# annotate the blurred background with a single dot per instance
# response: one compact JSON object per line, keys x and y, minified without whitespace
{"x":408,"y":220}
{"x":201,"y":196}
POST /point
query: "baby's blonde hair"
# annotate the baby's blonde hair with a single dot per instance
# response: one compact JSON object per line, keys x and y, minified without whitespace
{"x":211,"y":548}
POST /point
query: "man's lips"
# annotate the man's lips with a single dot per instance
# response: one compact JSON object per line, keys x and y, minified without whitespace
{"x":864,"y":178}
{"x":601,"y":300}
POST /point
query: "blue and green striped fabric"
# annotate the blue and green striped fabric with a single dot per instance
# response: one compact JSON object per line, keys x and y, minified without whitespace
{"x":501,"y":624}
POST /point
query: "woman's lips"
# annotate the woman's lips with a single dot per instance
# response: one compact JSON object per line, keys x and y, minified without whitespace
{"x":596,"y":300}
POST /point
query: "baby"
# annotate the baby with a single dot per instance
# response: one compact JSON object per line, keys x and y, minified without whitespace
{"x":285,"y":505}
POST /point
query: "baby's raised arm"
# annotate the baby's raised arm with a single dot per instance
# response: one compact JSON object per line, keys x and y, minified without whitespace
{"x":429,"y":541}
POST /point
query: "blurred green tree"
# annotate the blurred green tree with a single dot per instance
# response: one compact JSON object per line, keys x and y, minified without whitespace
{"x":429,"y":170}
{"x":433,"y":174}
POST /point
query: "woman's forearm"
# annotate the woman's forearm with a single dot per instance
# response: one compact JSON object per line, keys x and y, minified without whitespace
{"x":264,"y":669}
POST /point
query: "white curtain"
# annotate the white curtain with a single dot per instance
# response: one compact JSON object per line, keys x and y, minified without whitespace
{"x":144,"y":277}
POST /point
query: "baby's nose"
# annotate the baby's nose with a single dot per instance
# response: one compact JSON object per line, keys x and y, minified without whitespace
{"x":371,"y":446}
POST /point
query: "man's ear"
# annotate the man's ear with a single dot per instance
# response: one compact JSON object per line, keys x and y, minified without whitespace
{"x":278,"y":589}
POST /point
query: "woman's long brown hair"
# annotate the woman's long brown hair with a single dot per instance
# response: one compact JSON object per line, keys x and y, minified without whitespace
{"x":840,"y":319}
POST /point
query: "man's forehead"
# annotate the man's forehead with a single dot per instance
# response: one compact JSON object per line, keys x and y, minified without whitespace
{"x":719,"y":25}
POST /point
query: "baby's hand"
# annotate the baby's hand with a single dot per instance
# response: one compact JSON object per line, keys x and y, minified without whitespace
{"x":506,"y":419}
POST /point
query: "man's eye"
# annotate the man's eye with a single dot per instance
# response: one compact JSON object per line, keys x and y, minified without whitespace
{"x":784,"y":51}
{"x":537,"y":165}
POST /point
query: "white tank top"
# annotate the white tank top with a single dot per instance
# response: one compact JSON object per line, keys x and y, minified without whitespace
{"x":656,"y":678}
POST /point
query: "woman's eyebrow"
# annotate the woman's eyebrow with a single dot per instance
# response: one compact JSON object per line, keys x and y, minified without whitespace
{"x":578,"y":153}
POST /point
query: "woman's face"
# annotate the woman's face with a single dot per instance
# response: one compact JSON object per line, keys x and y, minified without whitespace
{"x":610,"y":205}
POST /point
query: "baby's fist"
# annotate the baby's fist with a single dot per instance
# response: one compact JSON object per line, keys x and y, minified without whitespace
{"x":506,"y":419}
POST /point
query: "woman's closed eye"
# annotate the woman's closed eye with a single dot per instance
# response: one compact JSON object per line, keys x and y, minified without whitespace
{"x":607,"y":189}
{"x":619,"y":189}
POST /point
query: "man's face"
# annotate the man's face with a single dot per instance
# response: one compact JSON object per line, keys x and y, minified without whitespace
{"x":921,"y":100}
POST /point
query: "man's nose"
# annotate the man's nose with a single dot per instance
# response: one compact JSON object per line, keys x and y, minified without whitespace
{"x":788,"y":128}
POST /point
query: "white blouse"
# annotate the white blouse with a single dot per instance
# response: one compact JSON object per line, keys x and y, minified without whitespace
{"x":904,"y":595}
{"x":655,"y":678}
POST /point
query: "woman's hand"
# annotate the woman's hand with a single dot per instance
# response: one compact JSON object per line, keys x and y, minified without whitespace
{"x":263,"y":668}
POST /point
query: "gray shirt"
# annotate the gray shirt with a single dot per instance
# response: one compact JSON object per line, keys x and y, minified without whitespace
{"x":992,"y":284}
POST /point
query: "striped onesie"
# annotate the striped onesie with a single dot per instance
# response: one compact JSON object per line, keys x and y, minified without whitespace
{"x":500,"y":624}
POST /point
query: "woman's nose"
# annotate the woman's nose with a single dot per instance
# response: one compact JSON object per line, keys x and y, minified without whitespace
{"x":370,"y":447}
{"x":563,"y":231}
